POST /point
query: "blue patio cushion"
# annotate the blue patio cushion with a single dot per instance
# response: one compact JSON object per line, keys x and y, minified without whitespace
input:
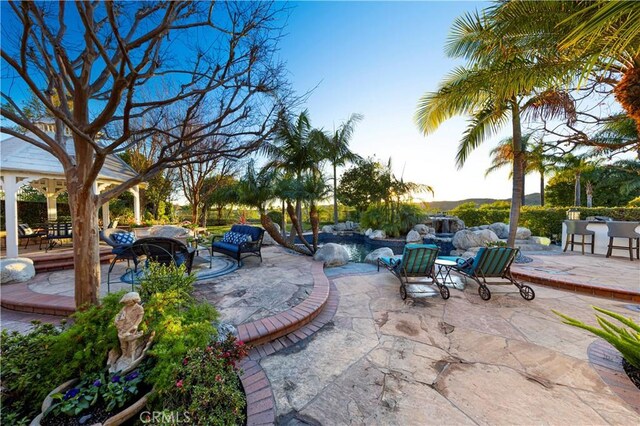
{"x":391,"y":262}
{"x":237,"y":238}
{"x":120,"y":250}
{"x":227,"y":246}
{"x":253,"y":231}
{"x":123,"y":238}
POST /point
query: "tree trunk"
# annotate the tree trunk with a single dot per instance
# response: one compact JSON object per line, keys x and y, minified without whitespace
{"x":315,"y":225}
{"x":524,"y":178}
{"x":335,"y":195}
{"x":518,"y":174}
{"x":542,"y":189}
{"x":576,"y":192}
{"x":194,"y":209}
{"x":283,"y":227}
{"x":86,"y":251}
{"x":295,"y":224}
{"x":268,"y":226}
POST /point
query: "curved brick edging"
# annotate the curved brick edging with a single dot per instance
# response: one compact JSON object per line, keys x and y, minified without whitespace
{"x":261,"y":406}
{"x":19,"y":297}
{"x":270,"y":328}
{"x":590,"y":289}
{"x":607,"y":361}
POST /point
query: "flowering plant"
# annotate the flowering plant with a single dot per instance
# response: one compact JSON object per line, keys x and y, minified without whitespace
{"x":207,"y":385}
{"x":113,"y":389}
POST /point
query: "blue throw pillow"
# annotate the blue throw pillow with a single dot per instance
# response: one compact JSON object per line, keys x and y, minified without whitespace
{"x":123,"y":238}
{"x":235,"y":238}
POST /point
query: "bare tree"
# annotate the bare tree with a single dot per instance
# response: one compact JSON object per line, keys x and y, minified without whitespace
{"x":119,"y":73}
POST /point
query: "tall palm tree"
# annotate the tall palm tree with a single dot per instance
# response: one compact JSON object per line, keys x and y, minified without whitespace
{"x":536,"y":159}
{"x":585,"y":37}
{"x":336,"y":149}
{"x":492,"y":89}
{"x":295,"y":150}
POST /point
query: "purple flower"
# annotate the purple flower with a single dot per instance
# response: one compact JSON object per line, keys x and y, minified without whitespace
{"x":115,"y":379}
{"x":71,"y":393}
{"x":131,"y":376}
{"x":97,"y":383}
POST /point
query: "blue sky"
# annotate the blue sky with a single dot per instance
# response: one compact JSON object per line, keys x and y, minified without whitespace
{"x":377,"y":59}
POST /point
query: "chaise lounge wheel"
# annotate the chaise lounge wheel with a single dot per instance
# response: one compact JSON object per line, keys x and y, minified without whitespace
{"x":527,"y":292}
{"x":403,"y":292}
{"x":444,"y":292}
{"x":484,"y":292}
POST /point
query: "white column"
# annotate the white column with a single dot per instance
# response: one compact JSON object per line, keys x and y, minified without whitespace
{"x":10,"y":187}
{"x":51,"y":193}
{"x":136,"y":203}
{"x":52,"y":206}
{"x":105,"y":215}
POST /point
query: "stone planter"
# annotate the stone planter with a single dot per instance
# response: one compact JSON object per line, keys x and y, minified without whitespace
{"x":115,"y":420}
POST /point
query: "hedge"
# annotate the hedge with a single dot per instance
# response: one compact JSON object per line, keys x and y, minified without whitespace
{"x":34,"y":213}
{"x":543,"y":221}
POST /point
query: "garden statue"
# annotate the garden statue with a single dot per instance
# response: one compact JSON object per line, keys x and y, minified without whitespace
{"x":132,"y":342}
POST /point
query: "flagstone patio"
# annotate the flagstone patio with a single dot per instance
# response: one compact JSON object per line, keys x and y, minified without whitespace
{"x":370,"y":358}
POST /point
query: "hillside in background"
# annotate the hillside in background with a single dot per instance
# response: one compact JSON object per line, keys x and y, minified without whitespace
{"x":530,"y":200}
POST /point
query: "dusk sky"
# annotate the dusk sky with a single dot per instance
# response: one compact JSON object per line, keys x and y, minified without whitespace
{"x":377,"y":59}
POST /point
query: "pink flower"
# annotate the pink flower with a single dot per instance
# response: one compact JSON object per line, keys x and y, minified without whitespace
{"x":218,"y":378}
{"x":185,"y":361}
{"x":179,"y":383}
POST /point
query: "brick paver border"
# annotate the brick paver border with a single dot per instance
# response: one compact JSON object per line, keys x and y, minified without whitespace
{"x":261,"y":406}
{"x":590,"y":289}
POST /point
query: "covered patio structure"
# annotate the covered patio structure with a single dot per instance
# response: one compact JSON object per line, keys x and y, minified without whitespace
{"x":22,"y":163}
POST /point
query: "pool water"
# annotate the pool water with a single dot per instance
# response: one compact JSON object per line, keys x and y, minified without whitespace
{"x":357,"y":252}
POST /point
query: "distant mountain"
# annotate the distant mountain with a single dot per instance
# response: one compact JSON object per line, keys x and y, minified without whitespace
{"x":529,"y":200}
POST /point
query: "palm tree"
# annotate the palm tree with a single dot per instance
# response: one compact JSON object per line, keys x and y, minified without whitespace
{"x":256,"y":189}
{"x":601,"y":37}
{"x":493,"y":89}
{"x":577,"y":165}
{"x":536,"y":159}
{"x":336,"y":150}
{"x":296,"y":149}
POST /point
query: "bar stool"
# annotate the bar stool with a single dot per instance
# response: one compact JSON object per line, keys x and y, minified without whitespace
{"x":579,"y":227}
{"x":624,"y":230}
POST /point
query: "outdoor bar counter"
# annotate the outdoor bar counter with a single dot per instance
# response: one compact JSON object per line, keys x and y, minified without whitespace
{"x":602,"y":239}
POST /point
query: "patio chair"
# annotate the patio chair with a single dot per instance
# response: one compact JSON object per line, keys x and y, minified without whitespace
{"x":417,"y":261}
{"x":626,"y":230}
{"x":163,"y":250}
{"x":120,"y":248}
{"x":491,"y":262}
{"x":579,"y":227}
{"x":26,"y":233}
{"x":236,"y":245}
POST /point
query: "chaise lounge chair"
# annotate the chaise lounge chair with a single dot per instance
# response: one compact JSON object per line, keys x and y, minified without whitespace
{"x":491,"y":262}
{"x":418,"y":260}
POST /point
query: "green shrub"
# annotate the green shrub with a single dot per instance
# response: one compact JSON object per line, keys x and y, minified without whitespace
{"x":158,"y":278}
{"x":26,"y":375}
{"x":207,"y":388}
{"x":374,"y":217}
{"x":408,"y":215}
{"x":276,"y":216}
{"x":627,"y":342}
{"x":35,"y":363}
{"x":542,"y":221}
